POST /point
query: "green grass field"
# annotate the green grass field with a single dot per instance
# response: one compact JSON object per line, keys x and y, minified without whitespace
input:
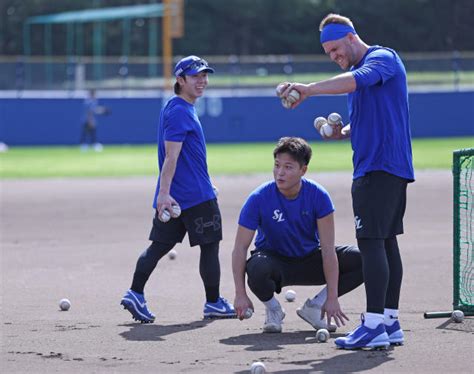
{"x":415,"y":79}
{"x":223,"y":159}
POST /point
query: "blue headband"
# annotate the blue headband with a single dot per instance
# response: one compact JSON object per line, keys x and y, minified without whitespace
{"x":335,"y":31}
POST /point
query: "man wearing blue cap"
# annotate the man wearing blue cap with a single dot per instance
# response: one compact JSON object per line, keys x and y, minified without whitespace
{"x":380,"y":135}
{"x":184,"y":181}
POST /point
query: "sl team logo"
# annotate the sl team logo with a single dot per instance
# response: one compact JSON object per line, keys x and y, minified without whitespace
{"x":278,"y":216}
{"x":358,"y":223}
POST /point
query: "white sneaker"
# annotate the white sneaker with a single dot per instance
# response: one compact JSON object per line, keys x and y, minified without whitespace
{"x":273,"y":320}
{"x":312,"y":314}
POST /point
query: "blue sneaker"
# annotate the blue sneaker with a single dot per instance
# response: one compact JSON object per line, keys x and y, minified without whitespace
{"x":365,"y":338}
{"x":220,"y":309}
{"x":395,"y":333}
{"x":135,"y":303}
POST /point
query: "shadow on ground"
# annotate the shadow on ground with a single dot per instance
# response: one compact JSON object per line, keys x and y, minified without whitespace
{"x":267,"y":342}
{"x":467,"y":325}
{"x":152,"y":332}
{"x":351,"y":362}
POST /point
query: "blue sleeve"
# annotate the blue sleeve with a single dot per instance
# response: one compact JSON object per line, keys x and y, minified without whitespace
{"x":379,"y":66}
{"x":324,"y":204}
{"x":175,"y":125}
{"x":250,"y":213}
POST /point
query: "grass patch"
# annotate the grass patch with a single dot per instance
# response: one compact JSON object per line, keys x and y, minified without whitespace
{"x":414,"y":78}
{"x":223,"y":159}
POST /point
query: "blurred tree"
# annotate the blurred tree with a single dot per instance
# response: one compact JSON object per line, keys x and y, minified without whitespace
{"x":217,"y":27}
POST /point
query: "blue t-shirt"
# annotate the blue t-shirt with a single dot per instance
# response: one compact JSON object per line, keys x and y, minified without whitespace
{"x":288,"y":227}
{"x":379,"y":117}
{"x":191,"y":184}
{"x":89,"y":111}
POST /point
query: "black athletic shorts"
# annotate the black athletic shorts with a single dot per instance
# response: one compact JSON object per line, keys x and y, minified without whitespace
{"x":379,"y":202}
{"x":202,"y":223}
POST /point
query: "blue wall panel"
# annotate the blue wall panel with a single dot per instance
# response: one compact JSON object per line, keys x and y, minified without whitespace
{"x":227,"y":119}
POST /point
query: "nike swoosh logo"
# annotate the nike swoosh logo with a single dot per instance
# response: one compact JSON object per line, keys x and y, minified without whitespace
{"x":359,"y":338}
{"x":142,"y":305}
{"x":222,"y":310}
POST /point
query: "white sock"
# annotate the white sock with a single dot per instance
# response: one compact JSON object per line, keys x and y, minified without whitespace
{"x":390,"y":316}
{"x":372,"y":320}
{"x":272,"y":304}
{"x":320,"y":298}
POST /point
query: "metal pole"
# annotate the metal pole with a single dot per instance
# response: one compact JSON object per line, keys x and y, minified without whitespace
{"x":97,"y":50}
{"x":152,"y":46}
{"x":48,"y":50}
{"x":167,"y":45}
{"x":69,"y":53}
{"x":27,"y":53}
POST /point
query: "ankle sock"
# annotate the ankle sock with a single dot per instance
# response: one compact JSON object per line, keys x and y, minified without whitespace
{"x":272,"y":304}
{"x":372,"y":320}
{"x":390,"y":316}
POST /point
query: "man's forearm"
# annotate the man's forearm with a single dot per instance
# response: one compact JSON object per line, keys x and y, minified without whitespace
{"x":340,"y":84}
{"x":331,"y":273}
{"x":238,"y":270}
{"x":167,"y":174}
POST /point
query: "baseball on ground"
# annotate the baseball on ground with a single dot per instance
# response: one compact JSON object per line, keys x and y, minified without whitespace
{"x":172,"y":254}
{"x":64,"y":304}
{"x":290,"y":296}
{"x":457,"y":316}
{"x":322,"y":335}
{"x":258,"y":368}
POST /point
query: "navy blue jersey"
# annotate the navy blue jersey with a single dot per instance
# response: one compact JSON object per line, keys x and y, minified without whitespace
{"x":191,"y":184}
{"x":90,"y":111}
{"x":288,"y":227}
{"x":378,"y":110}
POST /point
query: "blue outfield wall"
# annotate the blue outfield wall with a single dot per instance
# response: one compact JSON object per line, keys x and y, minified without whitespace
{"x":225,"y":119}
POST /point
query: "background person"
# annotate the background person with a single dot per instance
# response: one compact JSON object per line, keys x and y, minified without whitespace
{"x":91,"y":109}
{"x":380,"y":135}
{"x":294,"y":217}
{"x":183,"y":180}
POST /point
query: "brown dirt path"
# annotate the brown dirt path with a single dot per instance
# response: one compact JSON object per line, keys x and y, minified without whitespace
{"x":80,"y":238}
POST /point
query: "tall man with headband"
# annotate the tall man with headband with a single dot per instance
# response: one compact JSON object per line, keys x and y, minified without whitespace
{"x":183,"y":180}
{"x":380,"y":135}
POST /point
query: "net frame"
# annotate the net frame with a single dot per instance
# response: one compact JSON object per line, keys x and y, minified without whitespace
{"x":463,"y":239}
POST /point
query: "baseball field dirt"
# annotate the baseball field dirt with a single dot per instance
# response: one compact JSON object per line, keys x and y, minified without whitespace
{"x":80,"y":238}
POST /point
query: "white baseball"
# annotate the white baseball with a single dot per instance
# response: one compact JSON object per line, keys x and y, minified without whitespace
{"x":165,"y":216}
{"x":248,"y":313}
{"x":172,"y":254}
{"x":290,"y":296}
{"x":286,"y":104}
{"x":176,"y":211}
{"x":318,"y":122}
{"x":216,"y":190}
{"x":322,"y":335}
{"x":292,"y":98}
{"x":326,"y":130}
{"x":281,"y":87}
{"x":334,"y":119}
{"x":64,"y":304}
{"x":457,"y":316}
{"x":258,"y":368}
